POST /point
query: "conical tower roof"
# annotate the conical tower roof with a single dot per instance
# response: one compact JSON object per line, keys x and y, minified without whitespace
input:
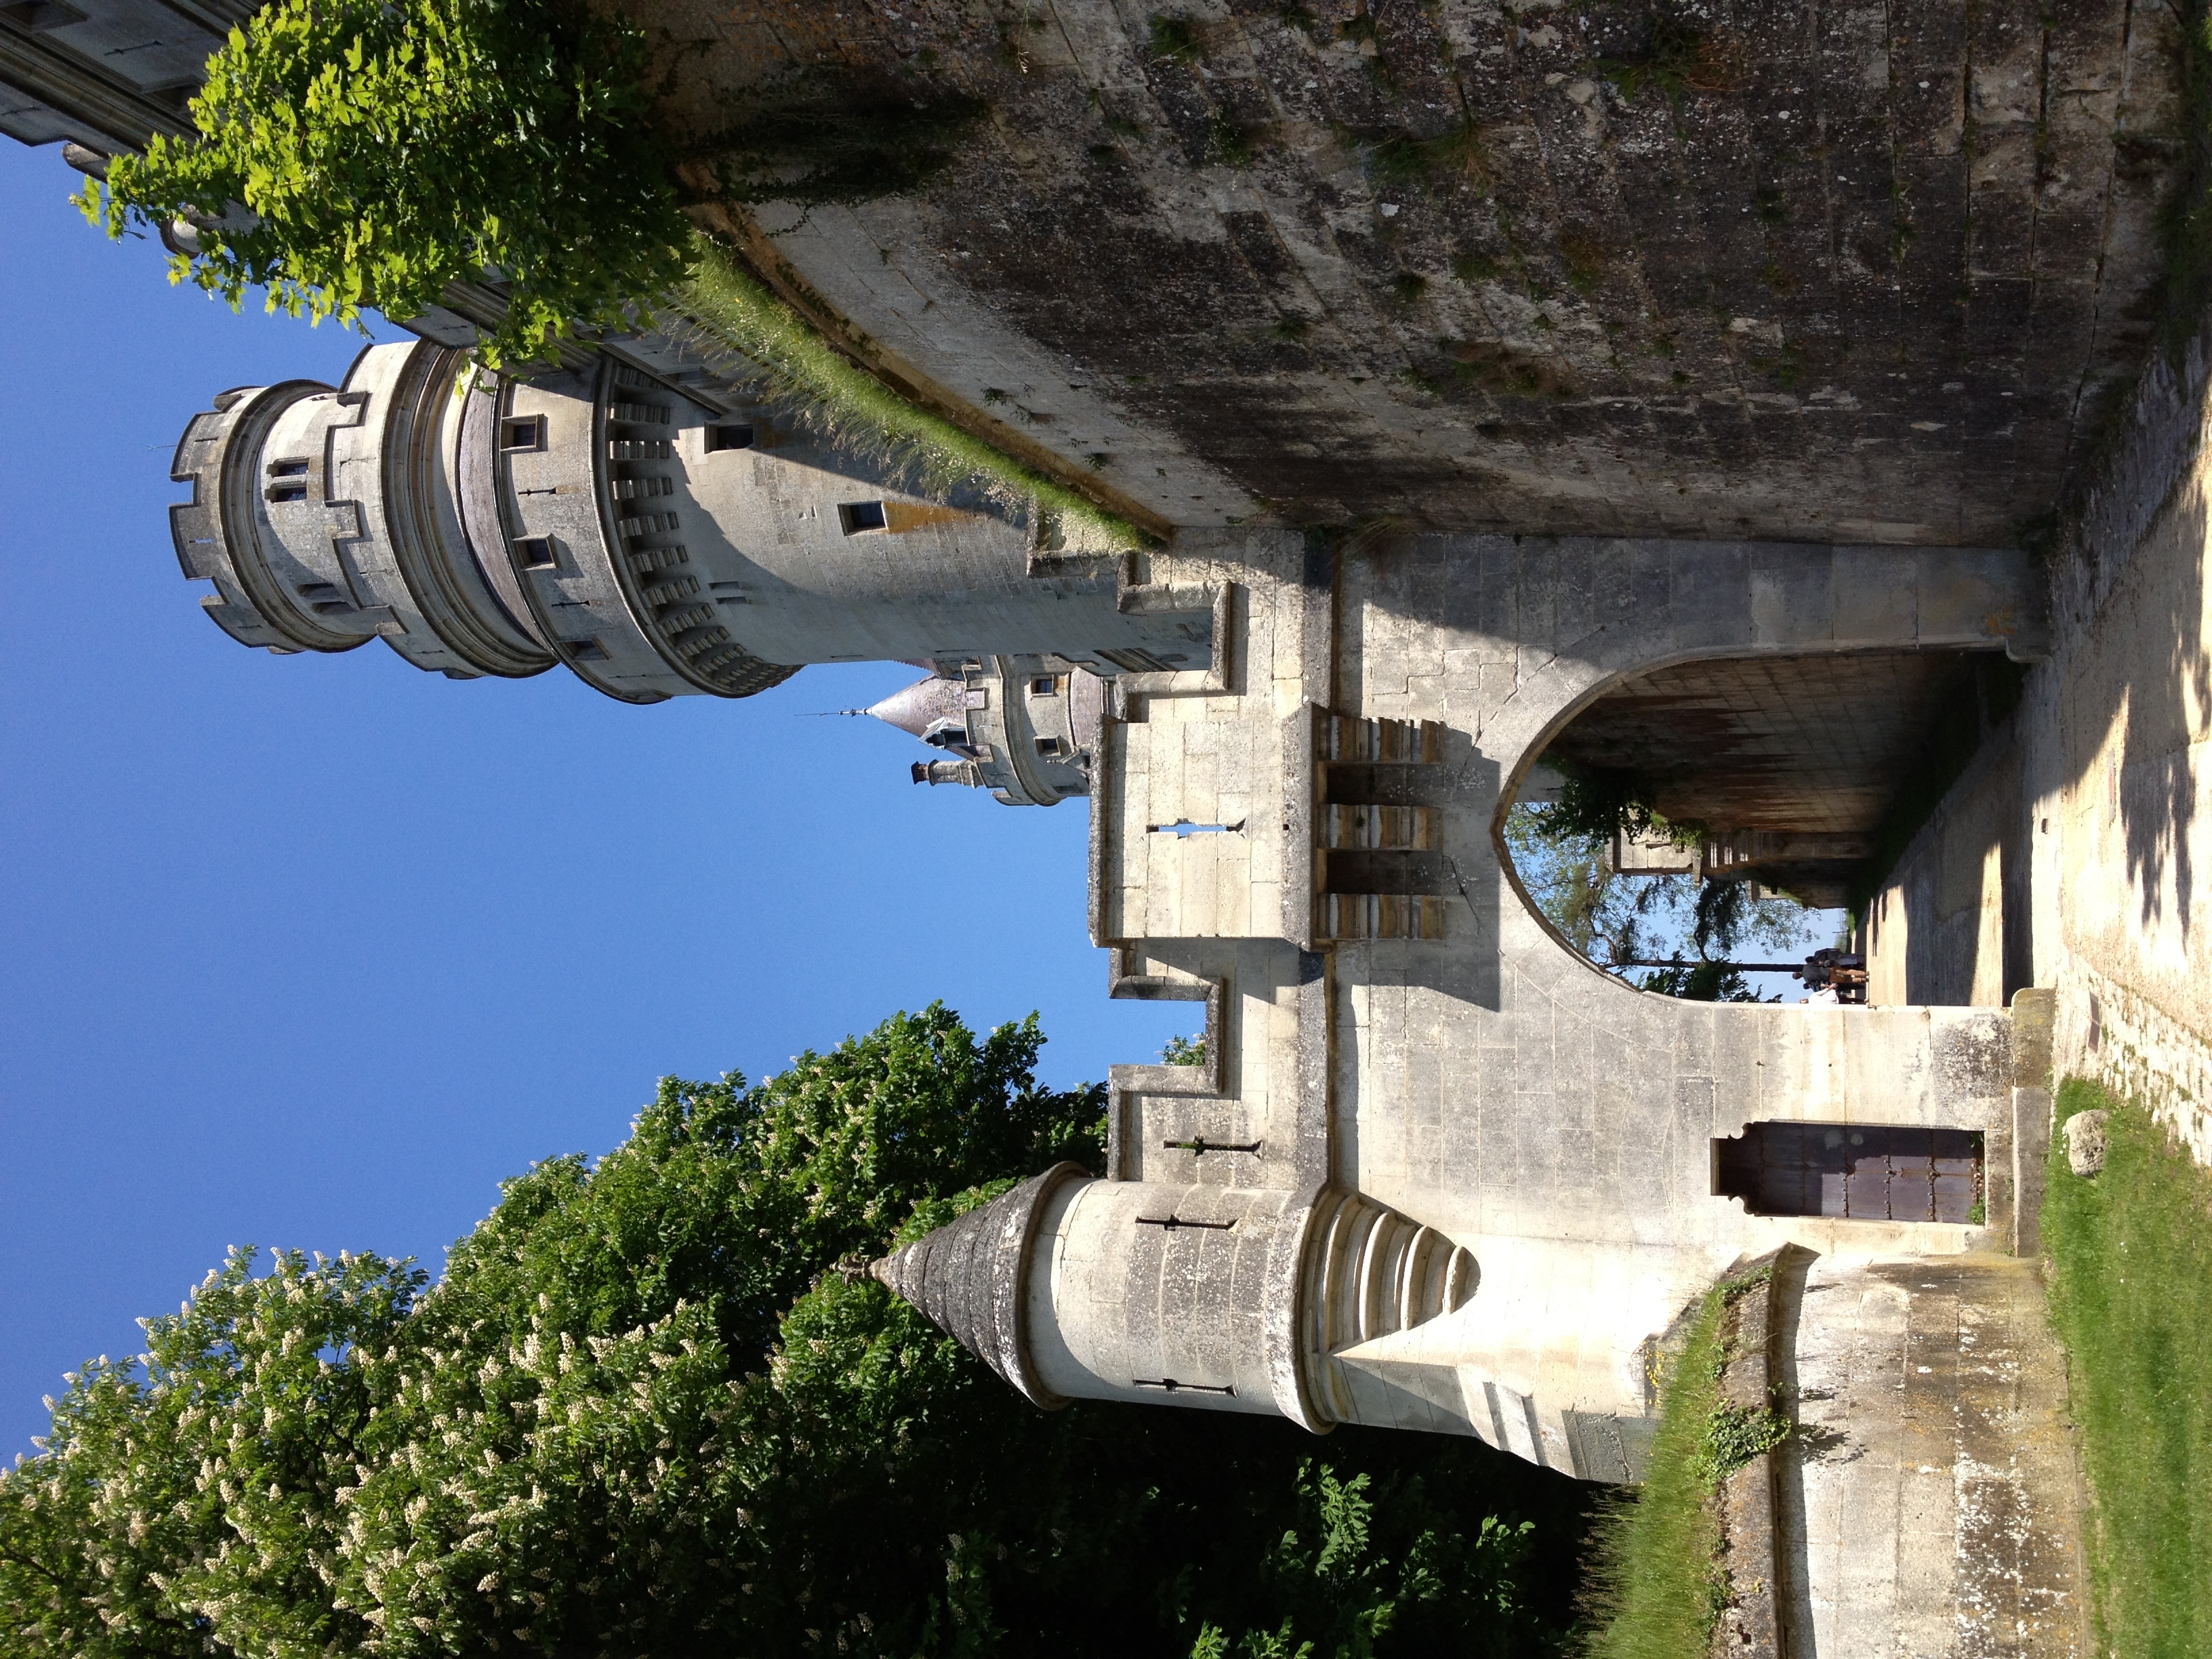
{"x":921,"y":705}
{"x":971,"y":1277}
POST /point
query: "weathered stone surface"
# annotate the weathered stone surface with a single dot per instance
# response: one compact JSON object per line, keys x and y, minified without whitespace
{"x":1932,"y":1491}
{"x":1816,"y":274}
{"x":971,"y":1277}
{"x":2070,"y":852}
{"x":2085,"y":1143}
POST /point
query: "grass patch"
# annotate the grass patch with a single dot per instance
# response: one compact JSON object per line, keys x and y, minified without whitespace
{"x":1657,"y":1587}
{"x":725,"y":305}
{"x":1678,"y":58}
{"x":1173,"y":38}
{"x":1459,"y":154}
{"x":2132,"y":1295}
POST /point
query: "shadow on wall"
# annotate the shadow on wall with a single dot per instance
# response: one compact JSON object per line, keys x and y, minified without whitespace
{"x":2135,"y":691}
{"x":2118,"y":710}
{"x":1948,"y":918}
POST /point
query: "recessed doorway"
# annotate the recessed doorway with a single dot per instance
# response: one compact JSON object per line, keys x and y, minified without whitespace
{"x":1853,"y":1171}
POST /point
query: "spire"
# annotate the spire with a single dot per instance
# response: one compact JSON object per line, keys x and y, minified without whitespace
{"x":970,"y":1278}
{"x":922,"y":705}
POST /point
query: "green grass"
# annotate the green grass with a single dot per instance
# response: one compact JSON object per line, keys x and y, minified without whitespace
{"x":2132,"y":1295}
{"x":722,"y":303}
{"x":1656,"y":1584}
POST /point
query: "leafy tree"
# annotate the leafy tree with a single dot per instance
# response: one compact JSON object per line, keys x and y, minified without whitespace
{"x":1357,"y":1570}
{"x":1605,"y":801}
{"x":1701,"y":981}
{"x":1185,"y":1050}
{"x":644,"y":1412}
{"x":1561,"y":854}
{"x":360,"y":153}
{"x":352,"y":153}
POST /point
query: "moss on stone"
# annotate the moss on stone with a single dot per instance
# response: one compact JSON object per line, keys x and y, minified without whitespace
{"x":723,"y":303}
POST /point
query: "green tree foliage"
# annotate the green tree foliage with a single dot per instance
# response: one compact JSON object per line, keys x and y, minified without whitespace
{"x":1603,"y":801}
{"x":1358,"y":1568}
{"x":1561,"y":851}
{"x":644,"y":1412}
{"x":366,"y":153}
{"x":1185,"y":1050}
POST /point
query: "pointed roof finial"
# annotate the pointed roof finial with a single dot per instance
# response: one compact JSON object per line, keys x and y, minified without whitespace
{"x":926,"y":703}
{"x":969,"y":1278}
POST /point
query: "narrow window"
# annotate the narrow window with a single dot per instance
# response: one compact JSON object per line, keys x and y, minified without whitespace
{"x":587,"y":650}
{"x":288,"y":469}
{"x":1045,"y":686}
{"x":324,"y":599}
{"x":1049,"y":745}
{"x":522,"y":432}
{"x":288,"y":492}
{"x":728,"y":437}
{"x":859,"y":516}
{"x":39,"y":16}
{"x":535,"y":553}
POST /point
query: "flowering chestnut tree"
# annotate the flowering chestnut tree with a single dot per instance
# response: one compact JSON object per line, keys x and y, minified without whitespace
{"x":645,"y":1412}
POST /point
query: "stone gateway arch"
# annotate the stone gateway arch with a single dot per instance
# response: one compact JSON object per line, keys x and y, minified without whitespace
{"x":1705,"y":429}
{"x":1436,"y":1171}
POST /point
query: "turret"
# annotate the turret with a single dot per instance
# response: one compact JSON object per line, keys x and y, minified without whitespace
{"x":1025,"y":727}
{"x":1219,"y":1298}
{"x":657,"y":545}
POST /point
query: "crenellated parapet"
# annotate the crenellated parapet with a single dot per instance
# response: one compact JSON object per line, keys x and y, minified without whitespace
{"x":657,"y":543}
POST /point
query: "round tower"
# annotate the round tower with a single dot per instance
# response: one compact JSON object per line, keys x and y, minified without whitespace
{"x":658,"y":546}
{"x":1223,"y":1298}
{"x":1025,"y":727}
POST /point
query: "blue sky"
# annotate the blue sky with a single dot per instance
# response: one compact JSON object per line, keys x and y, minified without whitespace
{"x":311,"y":951}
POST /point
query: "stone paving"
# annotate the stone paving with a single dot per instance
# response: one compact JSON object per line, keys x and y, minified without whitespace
{"x":1932,"y":1493}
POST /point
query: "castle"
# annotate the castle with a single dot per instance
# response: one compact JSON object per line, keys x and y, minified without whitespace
{"x":1435,"y":1171}
{"x":1704,"y":433}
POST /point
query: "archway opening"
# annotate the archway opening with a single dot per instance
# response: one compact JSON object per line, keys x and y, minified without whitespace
{"x":1716,"y":830}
